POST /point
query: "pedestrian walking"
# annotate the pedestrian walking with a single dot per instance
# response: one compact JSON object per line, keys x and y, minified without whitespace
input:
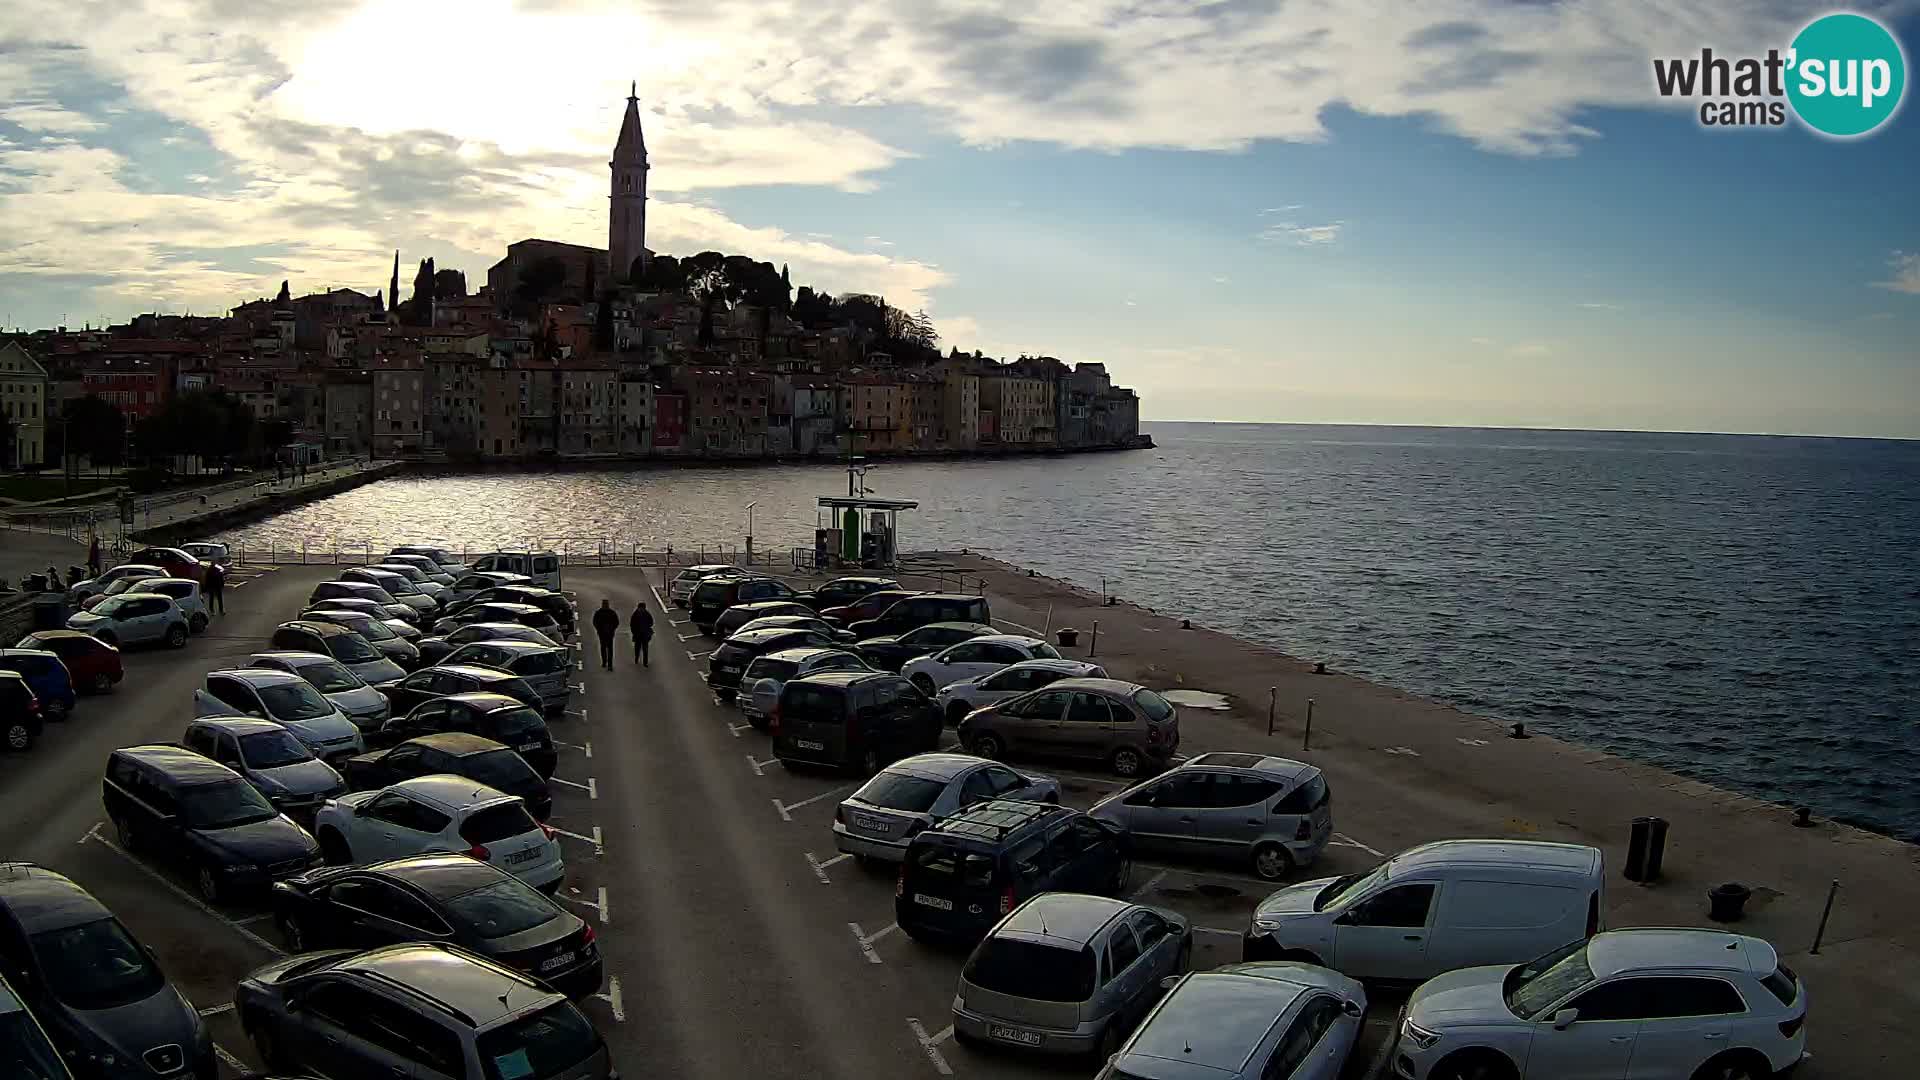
{"x":93,"y":556}
{"x":215,"y":586}
{"x":641,"y":625}
{"x":606,"y":623}
{"x":53,"y":581}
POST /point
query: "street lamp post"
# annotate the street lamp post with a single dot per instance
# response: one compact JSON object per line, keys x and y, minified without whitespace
{"x":750,"y":507}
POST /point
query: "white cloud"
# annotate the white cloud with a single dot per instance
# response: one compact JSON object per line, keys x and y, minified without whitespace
{"x":1480,"y":341}
{"x":48,"y":116}
{"x":1595,"y":305}
{"x":1906,"y":273}
{"x":1303,"y":235}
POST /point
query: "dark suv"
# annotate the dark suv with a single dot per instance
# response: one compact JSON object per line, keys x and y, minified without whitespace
{"x":961,"y":876}
{"x":505,"y":720}
{"x":863,"y":720}
{"x":455,"y":753}
{"x":918,"y":610}
{"x":715,"y":595}
{"x":177,"y":805}
{"x":730,"y":660}
{"x":416,"y":1010}
{"x":98,"y":991}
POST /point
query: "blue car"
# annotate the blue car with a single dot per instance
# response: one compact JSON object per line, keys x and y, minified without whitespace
{"x":45,"y":675}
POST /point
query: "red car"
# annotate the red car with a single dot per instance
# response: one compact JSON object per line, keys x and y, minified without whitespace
{"x":867,"y":607}
{"x":174,"y":561}
{"x":94,"y":664}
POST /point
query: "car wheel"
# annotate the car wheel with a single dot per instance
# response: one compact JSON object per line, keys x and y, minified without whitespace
{"x":334,"y":849}
{"x":197,"y":624}
{"x":924,"y":684}
{"x":209,"y":884}
{"x":1272,"y":862}
{"x":987,"y":745}
{"x":1734,"y":1065}
{"x":1474,"y":1065}
{"x":1127,"y":762}
{"x":57,"y":709}
{"x":102,"y":683}
{"x":176,"y":636}
{"x":19,"y":736}
{"x":293,"y":934}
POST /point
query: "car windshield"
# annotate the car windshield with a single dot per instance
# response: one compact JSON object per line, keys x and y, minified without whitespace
{"x":294,"y":701}
{"x":1343,"y":890}
{"x":540,"y":663}
{"x":1044,"y":651}
{"x":502,"y":770}
{"x":1533,"y":987}
{"x":96,"y":965}
{"x":515,"y":725}
{"x":122,"y":585}
{"x":1152,"y":704}
{"x":548,"y":1043}
{"x":224,"y":805}
{"x":25,"y":1052}
{"x":328,"y":677}
{"x":1028,"y":969}
{"x":372,"y":629}
{"x":351,"y":649}
{"x":506,"y":907}
{"x":497,"y":822}
{"x":768,"y":668}
{"x":271,"y":750}
{"x":901,"y":791}
{"x":110,"y":607}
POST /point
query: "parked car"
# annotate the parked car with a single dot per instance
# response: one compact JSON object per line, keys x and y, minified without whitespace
{"x":211,"y":552}
{"x":916,"y":793}
{"x":427,"y":1009}
{"x":912,"y":612}
{"x":186,"y":595}
{"x":799,"y":622}
{"x":456,"y":753}
{"x":267,"y":755}
{"x":968,"y":872}
{"x":958,"y":699}
{"x":405,"y":630}
{"x":441,"y":557}
{"x":1437,"y":907}
{"x":445,"y":680}
{"x":386,"y":638}
{"x":1248,"y":1022}
{"x":25,"y":1049}
{"x":438,"y":574}
{"x":553,"y":603}
{"x":21,"y":720}
{"x":472,"y":582}
{"x":361,"y":590}
{"x":365,"y":706}
{"x":419,"y":579}
{"x":890,"y":653}
{"x":717,"y":594}
{"x":495,"y":716}
{"x":546,"y":668}
{"x":46,"y":676}
{"x":437,"y":648}
{"x":331,"y":637}
{"x":842,"y":591}
{"x":173,"y":562}
{"x":860,"y":720}
{"x":1628,"y":1003}
{"x":738,"y":616}
{"x":79,"y":591}
{"x":181,"y":807}
{"x":973,"y":658}
{"x":1129,"y":727}
{"x":449,"y":898}
{"x":867,"y":607}
{"x":134,"y":619}
{"x":125,"y":584}
{"x":760,"y":683}
{"x":683,"y":583}
{"x":441,"y":813}
{"x":93,"y":664}
{"x":526,"y":615}
{"x":398,"y":586}
{"x":542,"y":568}
{"x":285,"y":699}
{"x":1271,"y":813}
{"x":1070,"y":974}
{"x":97,"y":989}
{"x":728,"y":663}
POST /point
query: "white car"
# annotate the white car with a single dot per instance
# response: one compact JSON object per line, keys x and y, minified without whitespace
{"x":185,"y":593}
{"x":477,"y":581}
{"x":209,"y":551}
{"x":133,"y":618}
{"x":441,"y":556}
{"x":957,"y":699}
{"x":440,"y":813}
{"x":398,"y":586}
{"x":973,"y":658}
{"x":765,"y":675}
{"x":366,"y":707}
{"x":287,"y":700}
{"x":434,"y":571}
{"x":80,"y":590}
{"x":1648,"y":1004}
{"x":419,"y":578}
{"x":683,"y":583}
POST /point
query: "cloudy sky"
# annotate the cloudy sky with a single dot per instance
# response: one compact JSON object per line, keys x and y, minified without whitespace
{"x":1455,"y":212}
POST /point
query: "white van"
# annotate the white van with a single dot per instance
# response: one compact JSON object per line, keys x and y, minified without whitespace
{"x":543,"y":567}
{"x":1436,"y":908}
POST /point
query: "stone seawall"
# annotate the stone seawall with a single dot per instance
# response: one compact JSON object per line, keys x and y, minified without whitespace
{"x":190,"y":526}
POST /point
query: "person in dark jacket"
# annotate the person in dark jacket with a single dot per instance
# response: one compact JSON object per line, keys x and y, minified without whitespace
{"x":641,"y":626}
{"x":215,"y":586}
{"x":606,"y":623}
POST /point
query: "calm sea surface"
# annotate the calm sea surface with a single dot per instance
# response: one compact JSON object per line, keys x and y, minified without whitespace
{"x":1741,"y":609}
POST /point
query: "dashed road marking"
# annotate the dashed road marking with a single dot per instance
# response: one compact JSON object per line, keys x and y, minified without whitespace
{"x":613,"y":1000}
{"x":580,"y":688}
{"x":684,"y":638}
{"x":930,"y":1045}
{"x":691,"y":655}
{"x":736,"y":729}
{"x":759,"y":766}
{"x":1341,"y":839}
{"x":591,"y":787}
{"x":1403,"y":751}
{"x":820,"y":868}
{"x":581,"y":713}
{"x":585,"y":748}
{"x":786,"y":809}
{"x":1470,"y":742}
{"x":599,"y":847}
{"x":216,"y":1010}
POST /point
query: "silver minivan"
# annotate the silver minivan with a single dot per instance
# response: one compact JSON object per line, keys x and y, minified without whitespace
{"x":1437,"y":907}
{"x":1271,"y":812}
{"x":1068,"y":973}
{"x":546,"y":668}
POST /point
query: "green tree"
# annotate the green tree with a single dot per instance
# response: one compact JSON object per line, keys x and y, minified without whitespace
{"x":95,"y":429}
{"x":8,"y":434}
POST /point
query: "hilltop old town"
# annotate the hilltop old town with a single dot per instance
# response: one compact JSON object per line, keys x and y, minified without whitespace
{"x":564,"y":352}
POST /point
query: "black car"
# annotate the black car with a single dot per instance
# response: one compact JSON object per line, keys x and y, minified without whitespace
{"x":500,"y":611}
{"x":844,"y":590}
{"x":97,"y":990}
{"x":447,"y":679}
{"x":914,"y":611}
{"x":451,"y":898}
{"x":546,"y":600}
{"x":440,"y":646}
{"x":508,"y":721}
{"x":176,"y":805}
{"x":890,"y":653}
{"x":961,"y":876}
{"x":458,"y":753}
{"x":728,"y":661}
{"x":21,"y":720}
{"x":715,"y":595}
{"x":863,"y":720}
{"x":739,"y":615}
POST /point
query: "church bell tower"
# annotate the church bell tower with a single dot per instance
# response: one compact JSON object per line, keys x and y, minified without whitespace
{"x":627,"y":212}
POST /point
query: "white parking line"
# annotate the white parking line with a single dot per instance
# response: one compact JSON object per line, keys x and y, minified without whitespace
{"x":230,"y":1061}
{"x":586,"y":748}
{"x":786,"y":809}
{"x":866,"y":943}
{"x":684,"y":638}
{"x":735,"y":729}
{"x":820,"y":868}
{"x":1341,"y":839}
{"x":1210,"y":875}
{"x":581,"y":713}
{"x":931,"y":1045}
{"x":185,"y":895}
{"x":216,"y":1010}
{"x":591,"y":787}
{"x":691,"y":655}
{"x":599,"y":906}
{"x":612,"y":998}
{"x":757,"y":766}
{"x":599,"y":848}
{"x":580,"y":688}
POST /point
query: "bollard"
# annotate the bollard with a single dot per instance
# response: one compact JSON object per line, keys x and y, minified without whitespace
{"x":1186,"y":624}
{"x":1095,"y":642}
{"x":1519,"y":731}
{"x":1320,"y":668}
{"x":1726,"y":902}
{"x":1306,"y":737}
{"x":1824,"y":912}
{"x":1803,"y":817}
{"x":1273,"y":693}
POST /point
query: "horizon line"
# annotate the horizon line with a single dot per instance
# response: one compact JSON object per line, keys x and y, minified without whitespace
{"x":1526,"y":427}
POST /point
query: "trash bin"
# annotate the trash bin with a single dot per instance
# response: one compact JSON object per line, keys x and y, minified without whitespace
{"x":1646,"y":849}
{"x":50,"y":611}
{"x":1726,"y":901}
{"x":1068,"y":637}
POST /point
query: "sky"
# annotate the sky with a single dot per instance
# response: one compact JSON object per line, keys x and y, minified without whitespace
{"x":1458,"y":212}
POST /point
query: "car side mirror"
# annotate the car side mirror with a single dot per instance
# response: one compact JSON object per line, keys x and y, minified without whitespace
{"x":1349,"y":1007}
{"x":1170,"y":982}
{"x":1565,"y":1018}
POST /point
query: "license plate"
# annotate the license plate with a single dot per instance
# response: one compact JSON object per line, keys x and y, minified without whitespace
{"x":528,"y":855}
{"x":869,"y":824}
{"x":1013,"y":1034}
{"x":809,"y":744}
{"x":528,"y":746}
{"x":555,"y":962}
{"x":933,"y":901}
{"x":727,"y":669}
